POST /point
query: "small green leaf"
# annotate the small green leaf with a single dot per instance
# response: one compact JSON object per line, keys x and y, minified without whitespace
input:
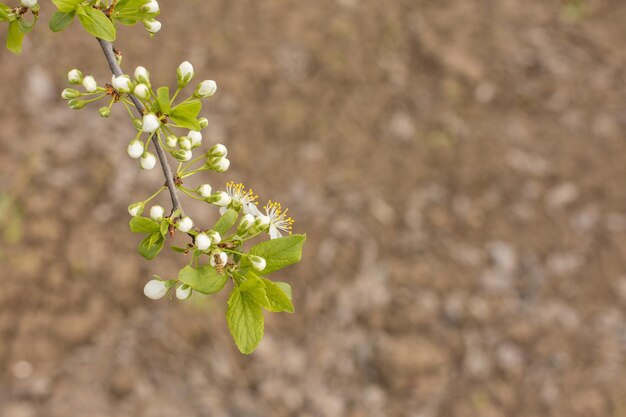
{"x":60,"y":20}
{"x":140,"y":224}
{"x":178,"y":249}
{"x":150,"y":247}
{"x":15,"y":38}
{"x":163,"y":98}
{"x":286,"y":288}
{"x":226,"y":221}
{"x":254,"y":287}
{"x":205,"y":279}
{"x":185,"y":114}
{"x":278,"y":299}
{"x":4,"y":12}
{"x":97,"y":24}
{"x":24,"y":26}
{"x":278,"y":253}
{"x":245,"y":320}
{"x":165,"y":227}
{"x":66,"y":6}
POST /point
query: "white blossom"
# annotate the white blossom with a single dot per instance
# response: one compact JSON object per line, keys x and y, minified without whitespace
{"x":184,"y":73}
{"x":195,"y":137}
{"x":123,"y":83}
{"x":142,"y":91}
{"x":90,"y":84}
{"x":155,"y":289}
{"x":148,"y":160}
{"x":185,"y":224}
{"x":206,"y":89}
{"x":150,"y":123}
{"x":142,"y":75}
{"x":277,"y":220}
{"x":135,"y":149}
{"x":203,"y":241}
{"x":240,"y":199}
{"x":157,"y":213}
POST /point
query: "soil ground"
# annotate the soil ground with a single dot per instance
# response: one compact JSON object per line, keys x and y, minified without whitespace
{"x":459,"y":169}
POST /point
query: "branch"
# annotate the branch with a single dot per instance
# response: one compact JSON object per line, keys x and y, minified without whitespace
{"x":107,"y":48}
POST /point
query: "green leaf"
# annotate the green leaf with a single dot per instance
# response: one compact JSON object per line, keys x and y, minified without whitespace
{"x":15,"y":38}
{"x":150,"y":247}
{"x":165,"y":227}
{"x":205,"y":279}
{"x":245,"y":320}
{"x":140,"y":224}
{"x":24,"y":26}
{"x":278,"y":299}
{"x":60,"y":21}
{"x":4,"y":12}
{"x":178,"y":249}
{"x":186,"y":113}
{"x":163,"y":98}
{"x":254,"y":287}
{"x":286,"y":288}
{"x":66,"y":6}
{"x":226,"y":221}
{"x":97,"y":24}
{"x":278,"y":253}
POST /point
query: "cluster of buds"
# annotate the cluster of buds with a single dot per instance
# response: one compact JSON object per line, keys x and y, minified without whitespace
{"x":162,"y":118}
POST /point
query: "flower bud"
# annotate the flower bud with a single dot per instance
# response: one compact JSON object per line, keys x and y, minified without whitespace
{"x":206,"y":89}
{"x":183,"y":292}
{"x":195,"y":138}
{"x":142,"y":91}
{"x":182,"y":155}
{"x":221,"y":165}
{"x":171,"y":141}
{"x":152,"y":25}
{"x":218,"y":258}
{"x":138,"y":124}
{"x":218,"y":150}
{"x":155,"y":289}
{"x":29,"y":3}
{"x":150,"y":123}
{"x":157,"y":213}
{"x":104,"y":111}
{"x":70,"y":93}
{"x":135,"y":149}
{"x":142,"y":75}
{"x":75,"y":77}
{"x":245,"y":223}
{"x":135,"y":209}
{"x":221,"y":199}
{"x":76,"y":104}
{"x":123,"y":83}
{"x":184,"y":143}
{"x":204,"y":190}
{"x":151,"y":7}
{"x":216,"y":238}
{"x":257,"y":262}
{"x":90,"y":84}
{"x":148,"y":160}
{"x":185,"y":224}
{"x":202,"y":241}
{"x":204,"y":122}
{"x":262,"y":221}
{"x":184,"y":73}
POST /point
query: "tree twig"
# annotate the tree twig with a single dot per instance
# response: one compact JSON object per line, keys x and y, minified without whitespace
{"x":109,"y":54}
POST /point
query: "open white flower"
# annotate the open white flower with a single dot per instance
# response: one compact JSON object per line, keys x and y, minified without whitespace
{"x":90,"y":84}
{"x":278,"y":220}
{"x":157,"y":213}
{"x":150,"y":123}
{"x":203,"y":241}
{"x":185,"y":224}
{"x":135,"y":149}
{"x":240,"y":199}
{"x":155,"y":289}
{"x":183,"y":292}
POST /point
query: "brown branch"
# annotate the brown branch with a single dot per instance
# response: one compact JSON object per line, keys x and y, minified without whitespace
{"x":109,"y":54}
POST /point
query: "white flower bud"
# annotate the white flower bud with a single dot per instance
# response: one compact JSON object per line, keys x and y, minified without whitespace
{"x":218,"y":258}
{"x":142,"y":91}
{"x":150,"y":123}
{"x":246,"y":222}
{"x":220,"y":199}
{"x":151,"y":7}
{"x":257,"y":262}
{"x":90,"y":84}
{"x":123,"y":83}
{"x":222,"y":165}
{"x":202,"y":241}
{"x":184,"y":143}
{"x":185,"y":224}
{"x":76,"y":104}
{"x":152,"y":25}
{"x":157,"y":213}
{"x":204,"y":190}
{"x":218,"y":150}
{"x":29,"y":3}
{"x":184,"y":73}
{"x":148,"y":160}
{"x":155,"y":289}
{"x":135,"y":209}
{"x":188,"y":156}
{"x":206,"y":89}
{"x":216,"y":238}
{"x":262,"y":220}
{"x":70,"y":93}
{"x":183,"y":292}
{"x":195,"y":138}
{"x":171,"y":141}
{"x":75,"y":76}
{"x":204,"y":122}
{"x":142,"y":75}
{"x":135,"y":149}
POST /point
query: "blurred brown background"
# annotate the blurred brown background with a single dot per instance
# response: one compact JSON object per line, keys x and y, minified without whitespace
{"x":458,"y":166}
